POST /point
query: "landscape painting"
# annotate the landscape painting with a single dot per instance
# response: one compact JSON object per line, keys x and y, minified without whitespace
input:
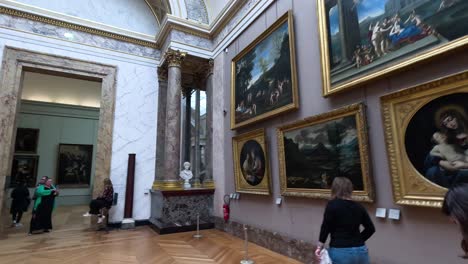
{"x":264,"y":76}
{"x":365,"y":39}
{"x":315,"y":151}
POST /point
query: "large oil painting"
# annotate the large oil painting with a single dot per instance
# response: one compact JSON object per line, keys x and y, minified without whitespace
{"x":427,"y":139}
{"x":365,"y":39}
{"x":314,"y":151}
{"x":74,"y":164}
{"x":251,"y":163}
{"x":264,"y":76}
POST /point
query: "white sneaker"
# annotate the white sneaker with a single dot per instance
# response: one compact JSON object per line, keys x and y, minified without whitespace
{"x":19,"y":225}
{"x":99,"y":220}
{"x":87,"y":214}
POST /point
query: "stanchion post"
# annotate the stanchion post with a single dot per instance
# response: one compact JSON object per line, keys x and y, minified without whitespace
{"x":246,"y":259}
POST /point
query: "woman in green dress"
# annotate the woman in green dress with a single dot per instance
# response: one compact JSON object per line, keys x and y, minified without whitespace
{"x":43,"y":206}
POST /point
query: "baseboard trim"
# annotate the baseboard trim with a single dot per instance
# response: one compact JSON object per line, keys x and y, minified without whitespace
{"x":137,"y":223}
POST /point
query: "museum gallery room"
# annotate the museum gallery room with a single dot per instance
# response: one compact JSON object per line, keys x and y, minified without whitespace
{"x":234,"y":131}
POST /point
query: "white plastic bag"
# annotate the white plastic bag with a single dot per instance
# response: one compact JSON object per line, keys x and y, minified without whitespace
{"x":324,"y":257}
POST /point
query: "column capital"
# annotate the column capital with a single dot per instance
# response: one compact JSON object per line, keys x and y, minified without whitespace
{"x":210,"y":67}
{"x":174,"y":58}
{"x":162,"y":74}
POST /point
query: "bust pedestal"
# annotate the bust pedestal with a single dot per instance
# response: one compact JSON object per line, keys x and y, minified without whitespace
{"x":176,"y":211}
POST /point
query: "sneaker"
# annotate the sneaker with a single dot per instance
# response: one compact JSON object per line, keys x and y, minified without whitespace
{"x":100,"y":220}
{"x":87,"y":214}
{"x":19,"y":225}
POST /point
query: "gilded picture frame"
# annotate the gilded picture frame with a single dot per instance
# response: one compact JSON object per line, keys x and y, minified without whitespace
{"x":417,"y":134}
{"x":263,"y":76}
{"x":313,"y":151}
{"x":251,"y":163}
{"x":365,"y":40}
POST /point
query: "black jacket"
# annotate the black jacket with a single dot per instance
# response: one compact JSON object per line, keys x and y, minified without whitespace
{"x":21,"y":200}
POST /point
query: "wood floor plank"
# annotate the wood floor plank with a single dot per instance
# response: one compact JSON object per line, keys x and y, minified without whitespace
{"x":74,"y":241}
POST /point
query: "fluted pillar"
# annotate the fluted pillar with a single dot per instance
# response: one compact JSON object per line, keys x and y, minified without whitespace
{"x":208,"y":180}
{"x":171,"y":179}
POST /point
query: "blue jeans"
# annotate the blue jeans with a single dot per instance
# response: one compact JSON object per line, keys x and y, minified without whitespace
{"x":351,"y":255}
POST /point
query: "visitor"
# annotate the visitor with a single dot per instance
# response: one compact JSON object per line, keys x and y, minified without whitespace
{"x":19,"y":203}
{"x":103,"y":201}
{"x":342,"y":219}
{"x":43,"y":206}
{"x":455,"y":206}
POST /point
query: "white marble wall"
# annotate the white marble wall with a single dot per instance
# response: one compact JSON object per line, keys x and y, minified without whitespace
{"x":133,"y":15}
{"x":135,"y":111}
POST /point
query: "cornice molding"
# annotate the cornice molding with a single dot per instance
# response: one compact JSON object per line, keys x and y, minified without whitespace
{"x":73,"y":26}
{"x":169,"y":24}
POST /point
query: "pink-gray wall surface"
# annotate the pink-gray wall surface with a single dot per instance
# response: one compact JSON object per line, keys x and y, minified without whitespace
{"x":422,"y":235}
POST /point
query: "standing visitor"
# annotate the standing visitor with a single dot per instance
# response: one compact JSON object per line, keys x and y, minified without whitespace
{"x":456,"y":207}
{"x":43,"y":206}
{"x":342,"y":220}
{"x":20,"y":202}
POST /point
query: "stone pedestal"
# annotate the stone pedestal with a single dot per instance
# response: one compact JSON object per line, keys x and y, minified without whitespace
{"x":176,"y":211}
{"x":128,"y":223}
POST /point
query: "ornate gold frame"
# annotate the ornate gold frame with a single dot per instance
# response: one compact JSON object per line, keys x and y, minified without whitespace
{"x":287,"y":17}
{"x":329,"y":89}
{"x":358,"y":110}
{"x":238,"y":142}
{"x":409,"y":186}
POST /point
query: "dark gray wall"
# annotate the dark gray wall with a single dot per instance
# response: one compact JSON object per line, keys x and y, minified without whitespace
{"x":423,"y":235}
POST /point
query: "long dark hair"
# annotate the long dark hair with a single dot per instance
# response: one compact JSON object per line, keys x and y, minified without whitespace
{"x":456,"y":206}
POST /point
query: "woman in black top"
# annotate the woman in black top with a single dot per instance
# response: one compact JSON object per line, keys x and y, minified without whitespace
{"x":342,"y":220}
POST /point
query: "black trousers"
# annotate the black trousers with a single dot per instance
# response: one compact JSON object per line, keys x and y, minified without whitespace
{"x":16,"y":215}
{"x":96,"y":205}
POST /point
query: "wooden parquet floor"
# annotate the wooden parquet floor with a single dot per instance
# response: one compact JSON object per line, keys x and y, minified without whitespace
{"x":74,"y":241}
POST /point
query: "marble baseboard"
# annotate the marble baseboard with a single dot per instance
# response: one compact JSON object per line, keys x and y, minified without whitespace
{"x":176,"y":211}
{"x":297,"y":249}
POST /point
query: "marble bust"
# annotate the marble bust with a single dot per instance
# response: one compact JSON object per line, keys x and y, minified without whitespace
{"x":186,"y":174}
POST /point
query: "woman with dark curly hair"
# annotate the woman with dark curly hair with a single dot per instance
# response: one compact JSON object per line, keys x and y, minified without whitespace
{"x":456,"y":207}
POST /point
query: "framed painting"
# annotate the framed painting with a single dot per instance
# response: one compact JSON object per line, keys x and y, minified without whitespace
{"x":361,"y":40}
{"x":74,"y":164}
{"x":263,"y":76}
{"x":316,"y":150}
{"x":251,"y":163}
{"x":426,"y":132}
{"x":26,"y":140}
{"x":24,"y":169}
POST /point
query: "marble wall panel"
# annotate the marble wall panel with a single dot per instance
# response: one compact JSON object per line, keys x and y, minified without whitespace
{"x":135,"y":120}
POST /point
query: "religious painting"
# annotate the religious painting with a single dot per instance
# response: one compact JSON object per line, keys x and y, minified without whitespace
{"x":365,"y":39}
{"x":263,"y":80}
{"x":251,"y":163}
{"x":316,"y":150}
{"x":426,"y":129}
{"x":26,"y":140}
{"x":24,"y":169}
{"x":74,"y":164}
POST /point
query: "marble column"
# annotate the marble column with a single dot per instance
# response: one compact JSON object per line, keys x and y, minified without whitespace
{"x":196,"y":167}
{"x":161,"y":129}
{"x":208,"y":180}
{"x":172,"y":131}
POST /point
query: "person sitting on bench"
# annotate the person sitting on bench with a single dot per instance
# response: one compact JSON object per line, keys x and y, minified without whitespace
{"x":103,"y":201}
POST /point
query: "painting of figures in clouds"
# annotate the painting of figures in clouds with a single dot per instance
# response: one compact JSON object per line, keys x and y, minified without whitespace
{"x":263,"y":76}
{"x":366,"y":37}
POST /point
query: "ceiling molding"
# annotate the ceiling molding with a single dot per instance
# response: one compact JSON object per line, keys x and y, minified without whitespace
{"x":75,"y":20}
{"x":169,"y":24}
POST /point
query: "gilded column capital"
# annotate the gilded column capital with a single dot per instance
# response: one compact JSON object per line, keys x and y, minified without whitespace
{"x":174,"y":58}
{"x":162,"y":74}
